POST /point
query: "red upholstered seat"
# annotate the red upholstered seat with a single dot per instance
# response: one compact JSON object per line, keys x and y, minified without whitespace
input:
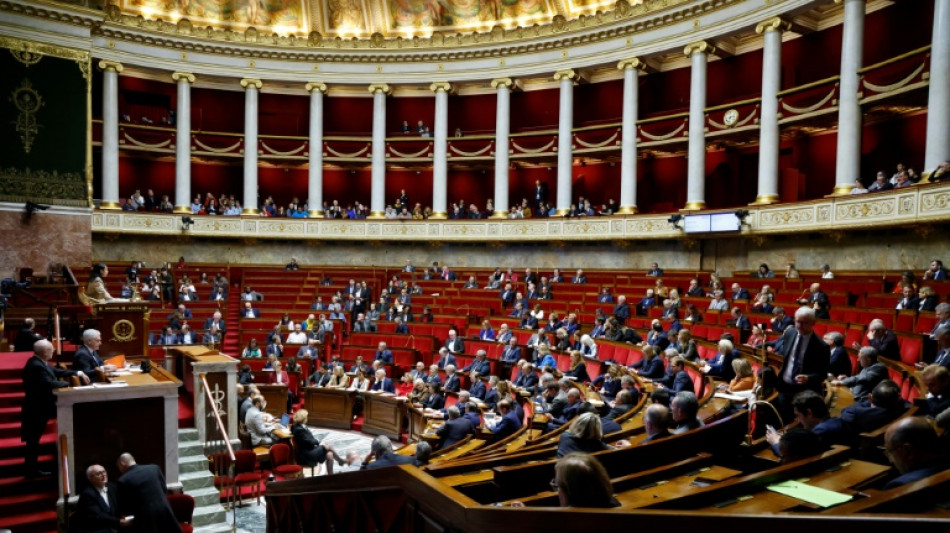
{"x":281,"y":463}
{"x":245,"y":474}
{"x":183,"y":506}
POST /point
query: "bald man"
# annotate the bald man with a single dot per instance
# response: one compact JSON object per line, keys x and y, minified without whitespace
{"x":142,"y":494}
{"x":911,"y":446}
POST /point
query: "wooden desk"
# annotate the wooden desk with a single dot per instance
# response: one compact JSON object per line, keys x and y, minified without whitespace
{"x":102,"y":422}
{"x":383,"y":414}
{"x":331,"y":408}
{"x":276,"y":398}
{"x":670,"y":488}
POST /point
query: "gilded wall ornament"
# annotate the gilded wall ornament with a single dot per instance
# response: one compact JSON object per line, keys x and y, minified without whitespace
{"x":28,"y":102}
{"x":26,"y":56}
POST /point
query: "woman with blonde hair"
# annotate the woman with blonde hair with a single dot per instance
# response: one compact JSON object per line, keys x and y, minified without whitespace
{"x":578,"y":368}
{"x":339,"y":379}
{"x":585,"y":434}
{"x":581,"y":481}
{"x":685,"y":345}
{"x":745,"y":378}
{"x":757,"y":338}
{"x":419,"y":393}
{"x":309,"y":450}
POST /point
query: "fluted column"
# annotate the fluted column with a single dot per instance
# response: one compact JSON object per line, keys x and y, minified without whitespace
{"x":315,"y":172}
{"x":696,"y":164}
{"x":378,"y":172}
{"x":502,"y":129}
{"x":440,"y":168}
{"x":565,"y":153}
{"x":771,"y":31}
{"x":628,"y":141}
{"x":110,"y":134}
{"x":848,"y":162}
{"x":183,"y":142}
{"x":938,"y":98}
{"x":251,"y":89}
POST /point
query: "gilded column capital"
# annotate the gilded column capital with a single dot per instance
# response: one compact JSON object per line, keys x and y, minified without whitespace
{"x":507,"y":83}
{"x":633,"y":62}
{"x":252,"y":82}
{"x":773,"y":24}
{"x":316,"y":86}
{"x":441,"y":86}
{"x":384,"y":88}
{"x":186,"y":76}
{"x":111,"y":65}
{"x":565,"y":74}
{"x":700,"y":47}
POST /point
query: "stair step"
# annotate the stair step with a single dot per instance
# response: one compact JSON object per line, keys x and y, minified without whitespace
{"x":208,"y":515}
{"x":30,"y":523}
{"x":187,"y":434}
{"x":14,"y":485}
{"x":195,"y":463}
{"x":216,"y":528}
{"x":190,"y":448}
{"x":11,"y":399}
{"x":10,"y":414}
{"x":205,"y":496}
{"x":11,"y":384}
{"x":196,"y":480}
{"x":14,"y":466}
{"x":27,"y":503}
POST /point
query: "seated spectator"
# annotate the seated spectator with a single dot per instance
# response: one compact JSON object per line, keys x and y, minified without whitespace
{"x":297,"y":336}
{"x":936,"y":272}
{"x":881,"y":339}
{"x":454,"y":429}
{"x":928,"y":299}
{"x":656,"y":420}
{"x":684,"y":408}
{"x":826,"y":272}
{"x":650,"y":366}
{"x":911,"y":446}
{"x":756,"y":337}
{"x":872,"y":372}
{"x":718,"y":303}
{"x":908,"y":300}
{"x":744,"y":380}
{"x":585,"y":435}
{"x":936,"y":380}
{"x":881,"y":183}
{"x":381,"y":454}
{"x":797,"y":444}
{"x":720,"y":366}
{"x":676,"y":378}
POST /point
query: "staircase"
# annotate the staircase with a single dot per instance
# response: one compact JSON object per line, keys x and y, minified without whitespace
{"x":230,"y":344}
{"x":198,"y":482}
{"x":26,"y":505}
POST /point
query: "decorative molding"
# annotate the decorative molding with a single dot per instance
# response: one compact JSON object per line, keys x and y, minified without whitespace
{"x":699,"y":47}
{"x":634,"y":63}
{"x":111,"y":65}
{"x":773,"y":24}
{"x":316,"y":86}
{"x":384,"y":88}
{"x":565,"y":74}
{"x":922,"y":203}
{"x":441,"y":86}
{"x":186,"y":76}
{"x":252,"y":82}
{"x":505,"y":82}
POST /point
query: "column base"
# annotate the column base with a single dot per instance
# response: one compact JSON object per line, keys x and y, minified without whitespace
{"x":250,"y":211}
{"x":694,"y":206}
{"x":112,"y":206}
{"x":765,"y":199}
{"x":439,"y":215}
{"x":561,"y":212}
{"x":182,"y":210}
{"x":842,"y":190}
{"x":376,"y":215}
{"x":499,"y":214}
{"x":316,"y":213}
{"x":627,"y":210}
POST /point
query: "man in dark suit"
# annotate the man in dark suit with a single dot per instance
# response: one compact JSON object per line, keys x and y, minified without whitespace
{"x":142,"y":492}
{"x":512,"y":352}
{"x":39,"y":406}
{"x":509,"y":423}
{"x":477,"y":389}
{"x":936,"y":380}
{"x":655,"y":271}
{"x":382,"y":383}
{"x":622,"y":310}
{"x":579,"y":277}
{"x":677,"y":378}
{"x":98,"y":510}
{"x":527,"y":378}
{"x":540,"y":193}
{"x":655,"y":422}
{"x":249,"y":311}
{"x":401,"y":327}
{"x":872,"y":372}
{"x":507,"y":296}
{"x":454,"y":344}
{"x":445,"y":358}
{"x":383,"y":354}
{"x":911,"y":445}
{"x":882,"y":406}
{"x":806,"y":360}
{"x":840,"y":364}
{"x":909,"y":299}
{"x":216,"y":320}
{"x":26,"y":337}
{"x":883,"y":340}
{"x":742,"y":322}
{"x":480,"y":364}
{"x":86,"y":359}
{"x":738,"y":293}
{"x":720,"y":366}
{"x":530,"y":277}
{"x":455,"y":428}
{"x":381,"y":451}
{"x":452,"y":383}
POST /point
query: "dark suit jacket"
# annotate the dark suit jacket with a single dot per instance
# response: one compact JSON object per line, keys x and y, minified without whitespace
{"x":511,"y":355}
{"x":568,"y":443}
{"x":491,"y":398}
{"x":25,"y":339}
{"x":457,"y":347}
{"x":817,"y":358}
{"x":887,"y":346}
{"x":477,"y":390}
{"x":482,"y":367}
{"x":389,"y":459}
{"x":452,"y":383}
{"x":434,"y":401}
{"x":92,"y":513}
{"x":403,"y":329}
{"x":449,"y":359}
{"x":579,"y":373}
{"x":507,"y":426}
{"x":840,"y":362}
{"x":386,"y":385}
{"x":385,"y":356}
{"x":682,"y":382}
{"x":141,"y":492}
{"x":454,"y":430}
{"x":39,"y":380}
{"x":721,"y":365}
{"x":87,"y":362}
{"x":650,"y":368}
{"x":741,"y":294}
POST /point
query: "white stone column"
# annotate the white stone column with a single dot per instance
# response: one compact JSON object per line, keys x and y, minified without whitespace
{"x":252,"y":88}
{"x":771,"y":31}
{"x":110,"y":134}
{"x":696,"y":164}
{"x":848,"y":161}
{"x":628,"y":141}
{"x":565,"y":153}
{"x":378,"y":171}
{"x":502,"y":87}
{"x":315,"y":171}
{"x":938,"y":98}
{"x":183,"y":142}
{"x":440,"y":167}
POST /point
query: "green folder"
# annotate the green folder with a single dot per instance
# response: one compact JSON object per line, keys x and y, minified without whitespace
{"x":814,"y":495}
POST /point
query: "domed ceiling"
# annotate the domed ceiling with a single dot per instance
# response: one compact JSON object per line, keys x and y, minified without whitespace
{"x":362,"y":18}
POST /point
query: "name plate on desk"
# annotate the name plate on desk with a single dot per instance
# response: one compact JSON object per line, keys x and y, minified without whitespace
{"x":123,"y":306}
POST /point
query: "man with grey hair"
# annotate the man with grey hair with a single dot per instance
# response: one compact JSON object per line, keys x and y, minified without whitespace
{"x":452,"y":382}
{"x":883,"y":340}
{"x":86,"y":359}
{"x":655,"y":422}
{"x":942,"y":336}
{"x":840,"y":363}
{"x":806,"y":360}
{"x":455,"y":428}
{"x":381,"y":454}
{"x":480,"y":364}
{"x":39,"y":406}
{"x":872,"y":372}
{"x":685,"y":407}
{"x":98,"y":509}
{"x":423,"y":453}
{"x":942,"y":315}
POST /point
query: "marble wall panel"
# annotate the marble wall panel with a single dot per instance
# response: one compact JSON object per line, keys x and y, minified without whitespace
{"x":58,"y":235}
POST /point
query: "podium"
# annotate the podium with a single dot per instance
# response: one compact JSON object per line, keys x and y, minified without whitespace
{"x":102,"y":421}
{"x":124,"y":327}
{"x":383,"y":414}
{"x":331,"y":408}
{"x":276,"y":398}
{"x":221,"y":373}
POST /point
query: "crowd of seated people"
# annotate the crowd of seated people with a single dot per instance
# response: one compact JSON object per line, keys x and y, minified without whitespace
{"x":903,"y":176}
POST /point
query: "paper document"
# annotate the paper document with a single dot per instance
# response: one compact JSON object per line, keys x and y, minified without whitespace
{"x":808,"y":493}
